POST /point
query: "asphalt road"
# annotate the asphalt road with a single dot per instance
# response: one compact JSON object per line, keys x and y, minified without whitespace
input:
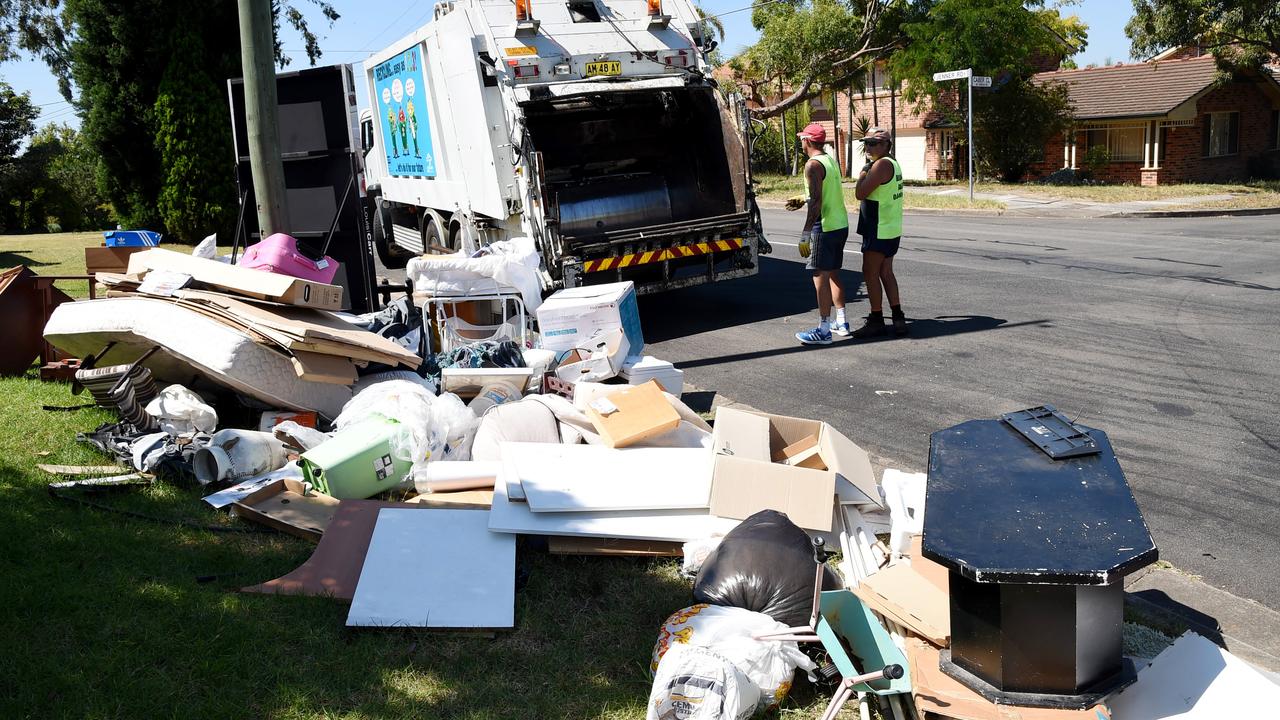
{"x":1163,"y":332}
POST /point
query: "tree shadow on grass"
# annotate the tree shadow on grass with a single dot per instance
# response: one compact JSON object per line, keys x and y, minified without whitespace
{"x":13,"y":258}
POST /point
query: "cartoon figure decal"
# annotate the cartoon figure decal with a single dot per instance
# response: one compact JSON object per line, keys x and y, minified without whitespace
{"x":399,"y":88}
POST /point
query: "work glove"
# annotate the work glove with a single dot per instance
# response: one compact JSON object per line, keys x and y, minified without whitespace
{"x":795,"y":203}
{"x":806,"y":242}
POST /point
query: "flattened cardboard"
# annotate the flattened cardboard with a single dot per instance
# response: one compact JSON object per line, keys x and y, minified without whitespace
{"x":323,"y":368}
{"x":287,"y":506}
{"x":252,"y":283}
{"x":334,"y":568}
{"x":905,"y":596}
{"x":643,"y":412}
{"x":936,"y":692}
{"x":741,"y":434}
{"x":847,"y":463}
{"x":108,"y":259}
{"x":936,"y":574}
{"x":613,"y":547}
{"x":462,"y":500}
{"x":805,"y":444}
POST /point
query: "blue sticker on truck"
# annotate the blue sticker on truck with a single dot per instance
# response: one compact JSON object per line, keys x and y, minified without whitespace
{"x":402,"y":111}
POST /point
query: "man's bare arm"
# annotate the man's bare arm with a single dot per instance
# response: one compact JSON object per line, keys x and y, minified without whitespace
{"x":881,"y":172}
{"x":814,"y":174}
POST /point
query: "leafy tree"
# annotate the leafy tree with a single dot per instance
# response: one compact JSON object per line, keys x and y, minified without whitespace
{"x":17,"y":120}
{"x":196,"y":193}
{"x":152,"y":81}
{"x":817,"y":45}
{"x":956,"y":34}
{"x":1240,"y":33}
{"x":70,"y":174}
{"x":1012,"y":124}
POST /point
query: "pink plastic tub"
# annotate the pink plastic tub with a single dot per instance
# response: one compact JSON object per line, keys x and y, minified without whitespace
{"x":279,"y":254}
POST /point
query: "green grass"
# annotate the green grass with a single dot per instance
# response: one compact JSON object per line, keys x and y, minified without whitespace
{"x":104,"y":617}
{"x":51,"y":254}
{"x":779,"y":188}
{"x":1264,"y":193}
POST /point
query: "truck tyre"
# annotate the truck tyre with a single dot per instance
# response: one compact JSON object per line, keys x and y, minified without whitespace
{"x":382,"y":237}
{"x":433,"y":240}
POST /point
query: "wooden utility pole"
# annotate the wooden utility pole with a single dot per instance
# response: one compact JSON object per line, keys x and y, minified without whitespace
{"x":257,"y":59}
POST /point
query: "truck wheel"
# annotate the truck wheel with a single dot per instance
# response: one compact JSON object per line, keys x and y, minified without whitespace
{"x":433,"y":240}
{"x":382,"y":239}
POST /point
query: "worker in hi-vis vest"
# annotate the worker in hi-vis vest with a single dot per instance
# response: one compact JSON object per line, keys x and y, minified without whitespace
{"x":826,"y":229}
{"x":879,"y":189}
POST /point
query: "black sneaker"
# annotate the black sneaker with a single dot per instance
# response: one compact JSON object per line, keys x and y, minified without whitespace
{"x":899,"y":324}
{"x":874,"y":327}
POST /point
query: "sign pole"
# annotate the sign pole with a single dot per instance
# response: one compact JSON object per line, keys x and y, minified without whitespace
{"x":969,"y":80}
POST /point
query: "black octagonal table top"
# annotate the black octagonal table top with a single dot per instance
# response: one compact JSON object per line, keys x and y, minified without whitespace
{"x":1000,"y":510}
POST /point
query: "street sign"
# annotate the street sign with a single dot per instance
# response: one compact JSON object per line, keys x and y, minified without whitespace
{"x":953,"y":75}
{"x":981,"y":81}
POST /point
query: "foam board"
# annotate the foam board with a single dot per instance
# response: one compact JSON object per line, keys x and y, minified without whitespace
{"x":671,"y":525}
{"x":593,"y":478}
{"x":1194,"y":679}
{"x":436,"y":568}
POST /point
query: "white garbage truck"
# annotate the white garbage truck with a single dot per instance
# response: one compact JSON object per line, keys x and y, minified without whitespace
{"x":595,"y":129}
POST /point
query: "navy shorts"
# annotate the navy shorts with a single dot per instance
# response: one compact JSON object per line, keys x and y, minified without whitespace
{"x":827,"y":252}
{"x":888,"y":248}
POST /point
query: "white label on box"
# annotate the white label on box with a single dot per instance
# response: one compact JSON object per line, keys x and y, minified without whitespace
{"x":604,"y":406}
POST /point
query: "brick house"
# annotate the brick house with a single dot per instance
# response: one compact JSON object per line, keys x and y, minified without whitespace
{"x":1168,"y":120}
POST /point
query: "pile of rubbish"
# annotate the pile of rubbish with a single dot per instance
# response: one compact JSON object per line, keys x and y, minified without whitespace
{"x":473,"y":412}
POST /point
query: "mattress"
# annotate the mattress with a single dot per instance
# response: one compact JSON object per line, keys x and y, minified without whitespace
{"x":193,"y":346}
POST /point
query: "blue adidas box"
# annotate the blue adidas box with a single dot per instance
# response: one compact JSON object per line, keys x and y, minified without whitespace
{"x":131,"y":238}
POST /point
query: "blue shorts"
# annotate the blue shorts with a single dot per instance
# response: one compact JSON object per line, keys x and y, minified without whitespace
{"x":888,"y":248}
{"x":827,"y":252}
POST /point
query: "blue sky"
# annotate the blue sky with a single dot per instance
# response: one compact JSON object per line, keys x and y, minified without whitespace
{"x":369,"y":25}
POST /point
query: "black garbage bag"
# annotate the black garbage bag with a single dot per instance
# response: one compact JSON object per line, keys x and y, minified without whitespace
{"x":765,"y":564}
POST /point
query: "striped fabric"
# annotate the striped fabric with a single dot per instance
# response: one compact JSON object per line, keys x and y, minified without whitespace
{"x":129,"y":399}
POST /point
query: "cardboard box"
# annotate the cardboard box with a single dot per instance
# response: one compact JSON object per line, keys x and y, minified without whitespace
{"x":242,"y":281}
{"x":804,"y":453}
{"x":599,"y":358}
{"x":108,"y":259}
{"x":570,"y":316}
{"x":287,"y":506}
{"x":745,"y":481}
{"x":629,"y":416}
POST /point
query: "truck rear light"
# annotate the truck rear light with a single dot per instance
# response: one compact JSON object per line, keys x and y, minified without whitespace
{"x":562,"y":69}
{"x":655,"y":7}
{"x":676,"y":59}
{"x":523,"y":71}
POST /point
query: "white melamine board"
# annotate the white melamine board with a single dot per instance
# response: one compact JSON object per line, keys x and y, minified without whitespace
{"x":595,"y":478}
{"x":1195,"y":679}
{"x":436,"y":568}
{"x":670,"y":525}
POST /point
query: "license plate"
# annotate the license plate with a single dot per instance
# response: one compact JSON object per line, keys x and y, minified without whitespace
{"x":609,"y":67}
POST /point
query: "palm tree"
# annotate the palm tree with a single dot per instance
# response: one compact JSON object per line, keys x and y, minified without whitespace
{"x":712,"y":28}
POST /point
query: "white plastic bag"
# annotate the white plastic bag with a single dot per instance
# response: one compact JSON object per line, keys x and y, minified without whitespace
{"x":429,"y":427}
{"x":180,"y":411}
{"x":300,"y":436}
{"x":696,"y":553}
{"x":730,"y":632}
{"x":694,"y":683}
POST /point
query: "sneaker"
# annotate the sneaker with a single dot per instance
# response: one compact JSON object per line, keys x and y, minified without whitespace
{"x":841,"y":329}
{"x":816,"y":336}
{"x":899,"y":325}
{"x":874,"y":327}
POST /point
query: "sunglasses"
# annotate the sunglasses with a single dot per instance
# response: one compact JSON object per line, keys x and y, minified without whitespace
{"x":872,"y":142}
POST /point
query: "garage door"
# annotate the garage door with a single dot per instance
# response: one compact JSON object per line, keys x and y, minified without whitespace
{"x":910,"y":154}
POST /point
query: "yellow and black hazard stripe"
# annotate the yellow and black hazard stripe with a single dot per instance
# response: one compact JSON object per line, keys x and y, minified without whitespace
{"x":653,"y":256}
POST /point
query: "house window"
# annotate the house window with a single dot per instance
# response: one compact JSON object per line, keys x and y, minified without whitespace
{"x":1221,"y":134}
{"x":1123,"y":144}
{"x":948,"y":145}
{"x":876,"y":78}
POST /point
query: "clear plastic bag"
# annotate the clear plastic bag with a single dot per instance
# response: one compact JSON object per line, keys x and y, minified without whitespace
{"x":695,"y":683}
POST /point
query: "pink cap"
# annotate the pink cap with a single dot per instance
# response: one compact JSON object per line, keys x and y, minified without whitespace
{"x":814,"y":133}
